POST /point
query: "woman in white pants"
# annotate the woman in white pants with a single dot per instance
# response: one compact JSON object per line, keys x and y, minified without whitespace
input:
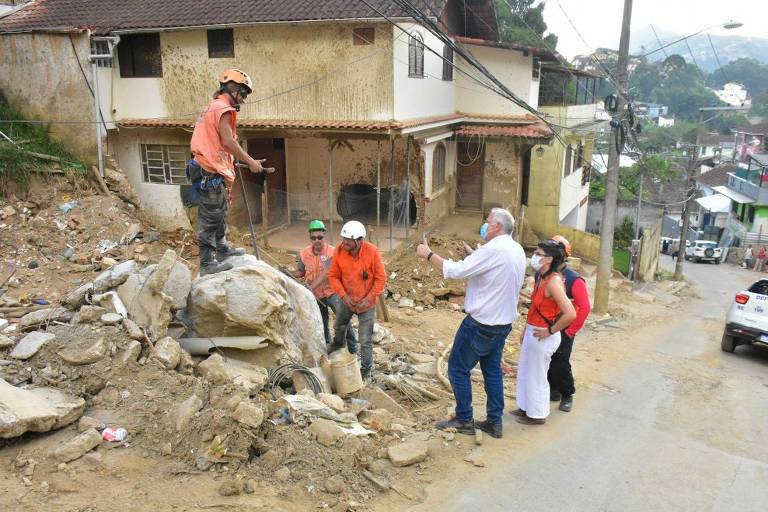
{"x":550,"y":312}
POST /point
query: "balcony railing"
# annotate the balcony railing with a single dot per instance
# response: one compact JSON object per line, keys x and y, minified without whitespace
{"x":743,"y":186}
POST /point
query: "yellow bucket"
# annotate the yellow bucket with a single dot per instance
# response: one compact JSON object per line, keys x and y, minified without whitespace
{"x":346,"y":372}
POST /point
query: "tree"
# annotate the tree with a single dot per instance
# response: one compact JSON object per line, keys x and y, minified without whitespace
{"x":656,"y":139}
{"x":748,"y":72}
{"x":521,"y":22}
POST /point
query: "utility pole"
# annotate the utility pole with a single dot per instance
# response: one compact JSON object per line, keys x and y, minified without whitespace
{"x":690,"y":172}
{"x":608,"y":223}
{"x":639,"y":206}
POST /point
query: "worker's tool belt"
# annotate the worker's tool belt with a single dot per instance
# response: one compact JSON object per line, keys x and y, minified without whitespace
{"x":202,"y":179}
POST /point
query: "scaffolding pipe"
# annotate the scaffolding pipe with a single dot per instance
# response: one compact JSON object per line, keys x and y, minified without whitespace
{"x":378,"y":192}
{"x":330,"y":190}
{"x":407,"y":186}
{"x":392,"y":182}
{"x":97,"y":117}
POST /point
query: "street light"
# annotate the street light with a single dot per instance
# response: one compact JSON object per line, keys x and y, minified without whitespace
{"x":729,"y":25}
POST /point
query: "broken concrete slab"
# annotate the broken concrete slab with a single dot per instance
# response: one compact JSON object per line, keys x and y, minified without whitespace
{"x":256,"y":299}
{"x":376,"y":419}
{"x":115,"y":276}
{"x":30,"y":344}
{"x":43,"y":316}
{"x":249,"y":414}
{"x":326,"y":432}
{"x":408,"y":453}
{"x":110,"y":319}
{"x":405,"y":302}
{"x":77,"y":447}
{"x":168,"y":351}
{"x":143,"y":296}
{"x":186,"y":411}
{"x":22,"y":411}
{"x":381,"y":400}
{"x":88,"y":314}
{"x":68,"y":408}
{"x":250,"y":377}
{"x":85,"y":351}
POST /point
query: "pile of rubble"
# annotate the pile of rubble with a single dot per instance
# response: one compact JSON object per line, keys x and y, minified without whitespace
{"x":183,"y":365}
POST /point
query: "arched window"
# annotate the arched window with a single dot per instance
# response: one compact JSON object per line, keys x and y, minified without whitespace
{"x":416,"y":56}
{"x":438,"y":167}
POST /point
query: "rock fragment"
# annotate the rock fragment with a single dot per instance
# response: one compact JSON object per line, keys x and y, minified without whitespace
{"x":408,"y":453}
{"x":327,"y":432}
{"x":30,"y":344}
{"x":168,"y":351}
{"x":78,"y":446}
{"x":248,"y":414}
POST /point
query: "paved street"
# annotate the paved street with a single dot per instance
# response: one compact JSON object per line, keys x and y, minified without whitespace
{"x":663,"y":420}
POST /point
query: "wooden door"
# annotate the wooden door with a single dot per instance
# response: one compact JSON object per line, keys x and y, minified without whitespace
{"x":469,"y":175}
{"x":276,"y":183}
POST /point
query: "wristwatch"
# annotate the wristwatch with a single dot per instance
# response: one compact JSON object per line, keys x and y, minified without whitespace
{"x":549,"y":329}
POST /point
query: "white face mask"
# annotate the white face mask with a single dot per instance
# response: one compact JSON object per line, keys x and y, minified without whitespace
{"x":536,"y":262}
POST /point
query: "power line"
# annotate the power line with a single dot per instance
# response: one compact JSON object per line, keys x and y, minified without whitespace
{"x":717,"y":58}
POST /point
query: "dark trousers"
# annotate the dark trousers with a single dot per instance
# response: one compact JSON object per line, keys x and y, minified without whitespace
{"x":211,"y":222}
{"x":476,"y":342}
{"x":333,"y":302}
{"x":560,"y":376}
{"x":365,"y":330}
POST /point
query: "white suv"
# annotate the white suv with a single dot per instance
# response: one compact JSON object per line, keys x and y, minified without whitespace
{"x":747,"y":320}
{"x":704,"y":250}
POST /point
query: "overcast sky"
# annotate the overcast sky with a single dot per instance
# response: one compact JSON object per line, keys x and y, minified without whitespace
{"x":599,"y":21}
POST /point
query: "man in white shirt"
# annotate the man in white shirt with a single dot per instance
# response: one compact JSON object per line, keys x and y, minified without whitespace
{"x":495,"y":272}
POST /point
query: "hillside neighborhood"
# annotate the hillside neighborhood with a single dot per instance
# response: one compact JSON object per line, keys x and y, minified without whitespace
{"x":259,"y":255}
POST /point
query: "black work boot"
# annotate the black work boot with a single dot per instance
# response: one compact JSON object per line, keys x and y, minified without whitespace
{"x":462,"y":427}
{"x":566,"y":404}
{"x":492,"y":429}
{"x":213,"y":267}
{"x":225,"y":250}
{"x":555,"y":396}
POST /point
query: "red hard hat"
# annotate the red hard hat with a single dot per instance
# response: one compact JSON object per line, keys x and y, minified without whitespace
{"x":565,"y":243}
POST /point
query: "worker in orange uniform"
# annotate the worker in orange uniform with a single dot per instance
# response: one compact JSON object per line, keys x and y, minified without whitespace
{"x":212,"y":170}
{"x":358,"y":277}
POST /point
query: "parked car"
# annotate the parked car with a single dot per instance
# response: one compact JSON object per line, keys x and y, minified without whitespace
{"x":704,"y":250}
{"x":747,"y":320}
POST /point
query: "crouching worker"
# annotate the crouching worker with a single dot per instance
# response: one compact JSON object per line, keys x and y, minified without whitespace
{"x":312,"y":265}
{"x":358,"y":277}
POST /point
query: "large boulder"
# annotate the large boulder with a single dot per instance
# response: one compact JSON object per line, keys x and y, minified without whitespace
{"x":255,"y":299}
{"x":35,"y":410}
{"x":144,"y":296}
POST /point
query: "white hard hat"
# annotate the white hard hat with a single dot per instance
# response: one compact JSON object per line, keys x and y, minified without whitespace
{"x":353,"y":229}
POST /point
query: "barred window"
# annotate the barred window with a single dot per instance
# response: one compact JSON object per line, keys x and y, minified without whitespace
{"x":438,"y":167}
{"x":416,"y":56}
{"x":162,"y":163}
{"x":221,"y":43}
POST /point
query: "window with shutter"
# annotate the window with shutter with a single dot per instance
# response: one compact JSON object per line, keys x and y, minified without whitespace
{"x":447,"y":63}
{"x":438,"y":167}
{"x":416,"y":56}
{"x":140,"y":56}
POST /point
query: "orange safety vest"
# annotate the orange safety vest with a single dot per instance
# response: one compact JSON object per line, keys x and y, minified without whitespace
{"x":206,"y":141}
{"x":314,"y":265}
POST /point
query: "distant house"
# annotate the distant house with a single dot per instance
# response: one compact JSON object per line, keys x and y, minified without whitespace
{"x":747,"y":187}
{"x":750,"y":140}
{"x":665,"y":121}
{"x":714,"y":207}
{"x":718,"y":147}
{"x":361,"y":118}
{"x":734,"y":94}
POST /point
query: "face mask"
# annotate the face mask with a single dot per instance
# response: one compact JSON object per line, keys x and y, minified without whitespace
{"x":536,"y":262}
{"x":484,"y":230}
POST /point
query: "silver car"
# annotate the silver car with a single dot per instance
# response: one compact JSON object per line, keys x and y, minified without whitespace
{"x":747,"y":320}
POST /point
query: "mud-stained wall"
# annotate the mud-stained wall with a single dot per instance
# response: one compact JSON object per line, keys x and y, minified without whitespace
{"x":503,"y":175}
{"x":344,"y":81}
{"x":40,"y":77}
{"x":161,"y":203}
{"x":439,"y":201}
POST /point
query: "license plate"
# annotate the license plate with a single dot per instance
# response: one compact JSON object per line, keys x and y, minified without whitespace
{"x":764,"y":338}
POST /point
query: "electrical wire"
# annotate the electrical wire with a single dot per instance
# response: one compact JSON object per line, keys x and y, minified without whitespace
{"x":717,"y":58}
{"x":277,"y":375}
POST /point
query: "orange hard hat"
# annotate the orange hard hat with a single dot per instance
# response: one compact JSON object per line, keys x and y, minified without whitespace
{"x":238,"y":76}
{"x":565,"y":243}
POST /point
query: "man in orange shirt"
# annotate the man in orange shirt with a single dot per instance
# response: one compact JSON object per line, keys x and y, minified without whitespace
{"x":313,"y":264}
{"x":212,"y":170}
{"x":358,"y":277}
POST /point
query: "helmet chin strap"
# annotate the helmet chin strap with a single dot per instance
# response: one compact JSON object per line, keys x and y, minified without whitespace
{"x":229,"y":93}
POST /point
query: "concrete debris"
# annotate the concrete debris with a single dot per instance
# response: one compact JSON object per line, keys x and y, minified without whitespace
{"x":256,"y":299}
{"x":6,"y":342}
{"x":380,"y":400}
{"x":77,"y":447}
{"x":111,"y":302}
{"x":440,"y":292}
{"x":30,"y":344}
{"x":35,"y":410}
{"x":249,"y":414}
{"x":417,"y":358}
{"x":110,"y":319}
{"x":250,"y":377}
{"x":335,"y":484}
{"x":37,"y":318}
{"x":335,"y":402}
{"x":3,"y":324}
{"x":186,"y":411}
{"x":88,"y":314}
{"x":168,"y":351}
{"x":131,"y":233}
{"x":143,"y":295}
{"x":326,"y":432}
{"x":408,"y":453}
{"x":78,"y":297}
{"x":133,"y":330}
{"x":115,"y":276}
{"x":178,"y":285}
{"x":376,"y":419}
{"x":381,"y":336}
{"x":87,"y":422}
{"x":130,"y":354}
{"x":86,"y":351}
{"x":405,"y":302}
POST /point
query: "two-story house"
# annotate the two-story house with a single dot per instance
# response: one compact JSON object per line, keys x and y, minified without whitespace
{"x":364,"y":117}
{"x":747,"y":187}
{"x":558,"y":191}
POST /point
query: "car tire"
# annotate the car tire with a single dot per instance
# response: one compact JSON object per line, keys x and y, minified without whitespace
{"x":717,"y":262}
{"x":728,"y":342}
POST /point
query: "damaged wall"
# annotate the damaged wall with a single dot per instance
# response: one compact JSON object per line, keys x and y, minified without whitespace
{"x":439,"y":201}
{"x":503,"y":175}
{"x":40,"y":77}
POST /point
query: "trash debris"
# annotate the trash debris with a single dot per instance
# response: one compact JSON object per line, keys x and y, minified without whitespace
{"x":67,"y":207}
{"x":114,"y":434}
{"x":106,"y":246}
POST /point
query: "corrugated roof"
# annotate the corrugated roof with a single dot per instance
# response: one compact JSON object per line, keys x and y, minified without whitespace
{"x":524,"y":131}
{"x":105,"y":16}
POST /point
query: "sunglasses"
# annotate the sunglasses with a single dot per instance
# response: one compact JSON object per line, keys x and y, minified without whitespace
{"x":316,"y":237}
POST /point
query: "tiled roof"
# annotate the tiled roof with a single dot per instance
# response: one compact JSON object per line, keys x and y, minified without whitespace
{"x":268,"y":124}
{"x":524,"y":131}
{"x":105,"y":16}
{"x":716,"y":176}
{"x":544,"y":53}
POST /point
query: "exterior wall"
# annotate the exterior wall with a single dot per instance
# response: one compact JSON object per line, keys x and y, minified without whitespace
{"x":160,"y":202}
{"x":503,"y":175}
{"x":56,"y":90}
{"x":420,"y":97}
{"x":279,"y":58}
{"x":572,"y":192}
{"x":440,"y":202}
{"x":511,"y":67}
{"x":649,"y":215}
